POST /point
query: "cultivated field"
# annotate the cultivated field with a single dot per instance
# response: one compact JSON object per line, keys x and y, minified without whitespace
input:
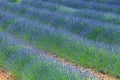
{"x":60,"y":39}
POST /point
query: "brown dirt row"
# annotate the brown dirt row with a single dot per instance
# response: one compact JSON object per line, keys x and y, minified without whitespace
{"x":93,"y":72}
{"x":4,"y":75}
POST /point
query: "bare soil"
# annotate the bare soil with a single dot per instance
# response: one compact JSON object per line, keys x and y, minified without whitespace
{"x":93,"y":72}
{"x":4,"y":75}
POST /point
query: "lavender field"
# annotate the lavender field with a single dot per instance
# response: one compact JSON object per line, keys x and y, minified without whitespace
{"x":60,"y":39}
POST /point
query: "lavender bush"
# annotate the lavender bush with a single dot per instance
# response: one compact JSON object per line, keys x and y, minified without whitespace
{"x":83,"y":40}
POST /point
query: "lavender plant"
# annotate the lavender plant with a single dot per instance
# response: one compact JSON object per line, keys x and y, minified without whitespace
{"x":91,"y":5}
{"x":80,"y":26}
{"x":66,"y":45}
{"x":64,"y":35}
{"x":28,"y":63}
{"x":83,"y":13}
{"x":106,"y":1}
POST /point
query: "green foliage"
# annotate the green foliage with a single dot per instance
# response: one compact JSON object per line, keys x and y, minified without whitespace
{"x":6,"y":24}
{"x":18,"y":1}
{"x":63,"y":45}
{"x":45,"y":70}
{"x":5,"y":53}
{"x":18,"y":61}
{"x":65,"y":10}
{"x":109,"y":16}
{"x":94,"y":34}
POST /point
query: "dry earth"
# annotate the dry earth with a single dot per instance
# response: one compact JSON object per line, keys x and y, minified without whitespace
{"x":4,"y":75}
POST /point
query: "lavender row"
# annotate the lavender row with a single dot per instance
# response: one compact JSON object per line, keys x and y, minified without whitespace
{"x":10,"y":22}
{"x":94,"y":30}
{"x":83,"y":13}
{"x":91,"y":5}
{"x":115,"y":2}
{"x":22,"y":62}
{"x":66,"y":45}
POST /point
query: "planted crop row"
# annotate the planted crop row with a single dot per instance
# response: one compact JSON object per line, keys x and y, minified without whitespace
{"x":107,"y":1}
{"x":64,"y":44}
{"x":29,"y":64}
{"x":115,"y":2}
{"x":105,"y":7}
{"x":98,"y":31}
{"x":8,"y":19}
{"x":83,"y":13}
{"x":91,"y":5}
